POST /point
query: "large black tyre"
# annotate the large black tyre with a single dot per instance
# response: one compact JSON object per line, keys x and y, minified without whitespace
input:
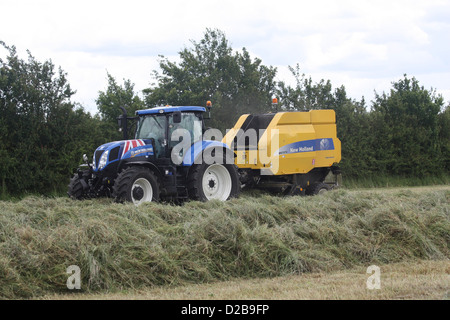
{"x":77,"y":187}
{"x":137,"y":185}
{"x":318,"y":188}
{"x":216,"y":181}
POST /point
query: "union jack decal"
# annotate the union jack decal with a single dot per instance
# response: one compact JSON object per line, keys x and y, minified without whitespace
{"x":131,"y":144}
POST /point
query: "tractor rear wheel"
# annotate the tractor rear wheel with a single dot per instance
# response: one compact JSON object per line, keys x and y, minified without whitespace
{"x":215,"y":181}
{"x":137,"y":185}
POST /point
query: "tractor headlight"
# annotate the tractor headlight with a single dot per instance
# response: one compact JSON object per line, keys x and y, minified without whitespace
{"x":103,"y":160}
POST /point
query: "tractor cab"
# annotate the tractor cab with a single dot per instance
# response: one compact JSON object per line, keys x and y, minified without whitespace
{"x":159,"y":124}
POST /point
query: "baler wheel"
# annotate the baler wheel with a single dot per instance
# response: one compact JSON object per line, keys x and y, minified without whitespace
{"x":318,"y":188}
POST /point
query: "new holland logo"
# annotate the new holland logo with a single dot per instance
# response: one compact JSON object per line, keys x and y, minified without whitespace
{"x":141,"y":151}
{"x":324,"y":144}
{"x":306,"y":146}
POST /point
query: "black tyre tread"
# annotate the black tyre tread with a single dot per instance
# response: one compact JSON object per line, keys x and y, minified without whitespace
{"x":75,"y":188}
{"x":235,"y":193}
{"x":125,"y":178}
{"x":193,"y":184}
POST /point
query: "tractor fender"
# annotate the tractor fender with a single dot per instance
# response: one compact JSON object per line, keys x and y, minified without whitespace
{"x":150,"y":165}
{"x":195,"y":152}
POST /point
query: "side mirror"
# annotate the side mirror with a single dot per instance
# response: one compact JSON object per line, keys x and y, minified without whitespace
{"x":122,"y":121}
{"x":177,"y":117}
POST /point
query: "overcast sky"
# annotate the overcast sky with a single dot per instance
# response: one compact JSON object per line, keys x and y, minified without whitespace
{"x":363,"y":45}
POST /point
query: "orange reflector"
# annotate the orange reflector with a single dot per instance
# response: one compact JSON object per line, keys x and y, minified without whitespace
{"x":208,"y":103}
{"x":275,"y":101}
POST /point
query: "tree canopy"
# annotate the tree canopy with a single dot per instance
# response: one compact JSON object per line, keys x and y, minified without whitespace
{"x":109,"y":103}
{"x":41,"y":129}
{"x":211,"y":70}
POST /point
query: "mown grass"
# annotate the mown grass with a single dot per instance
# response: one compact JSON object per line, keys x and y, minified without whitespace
{"x":120,"y":246}
{"x":412,"y":280}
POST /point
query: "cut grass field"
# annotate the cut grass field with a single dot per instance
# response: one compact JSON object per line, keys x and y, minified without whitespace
{"x":416,"y":280}
{"x":258,"y":239}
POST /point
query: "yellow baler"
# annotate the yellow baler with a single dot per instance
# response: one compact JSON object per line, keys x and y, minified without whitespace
{"x":291,"y":152}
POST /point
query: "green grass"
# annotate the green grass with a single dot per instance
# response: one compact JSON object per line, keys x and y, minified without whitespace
{"x":120,"y":246}
{"x":384,"y":181}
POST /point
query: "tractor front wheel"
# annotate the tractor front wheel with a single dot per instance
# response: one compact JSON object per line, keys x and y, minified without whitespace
{"x":137,"y":185}
{"x":77,"y":188}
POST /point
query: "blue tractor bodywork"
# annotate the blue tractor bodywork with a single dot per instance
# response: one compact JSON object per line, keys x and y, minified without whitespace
{"x":116,"y":151}
{"x":198,"y":148}
{"x":159,"y":110}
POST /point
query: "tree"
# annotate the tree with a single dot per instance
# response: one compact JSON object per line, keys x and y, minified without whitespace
{"x":39,"y":126}
{"x":108,"y":104}
{"x":211,"y":70}
{"x":444,"y":138}
{"x":407,"y":131}
{"x":306,"y":95}
{"x":353,"y":123}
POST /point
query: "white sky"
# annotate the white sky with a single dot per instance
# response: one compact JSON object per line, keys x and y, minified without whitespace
{"x":363,"y":45}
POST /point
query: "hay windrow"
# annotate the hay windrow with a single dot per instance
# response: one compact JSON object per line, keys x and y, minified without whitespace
{"x":121,"y":246}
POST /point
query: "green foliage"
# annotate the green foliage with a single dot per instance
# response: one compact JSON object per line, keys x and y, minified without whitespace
{"x":306,"y":95}
{"x":108,"y":104}
{"x":444,"y":137}
{"x":406,"y":128}
{"x":390,"y":181}
{"x":41,"y":130}
{"x":210,"y":70}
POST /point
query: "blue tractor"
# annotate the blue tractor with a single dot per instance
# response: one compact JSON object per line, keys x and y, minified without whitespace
{"x":153,"y":167}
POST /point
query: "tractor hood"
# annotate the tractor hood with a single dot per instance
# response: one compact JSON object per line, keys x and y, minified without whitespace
{"x":119,"y":150}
